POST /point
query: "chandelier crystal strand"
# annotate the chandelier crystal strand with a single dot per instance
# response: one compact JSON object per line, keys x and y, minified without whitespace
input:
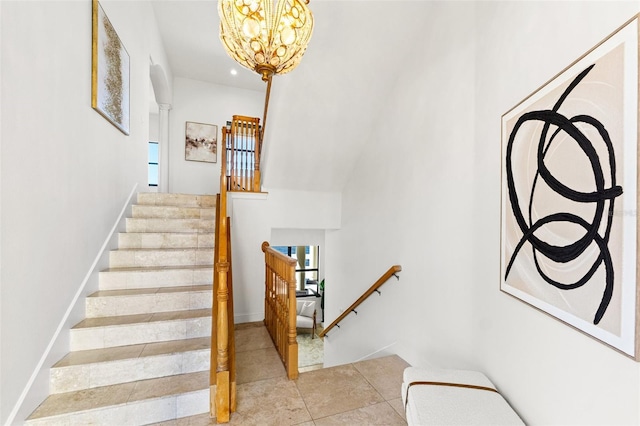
{"x":266,"y":36}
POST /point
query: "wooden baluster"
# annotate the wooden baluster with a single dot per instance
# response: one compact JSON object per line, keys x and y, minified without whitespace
{"x":245,"y":131}
{"x":251,"y":156}
{"x":256,"y":157}
{"x":234,"y":132}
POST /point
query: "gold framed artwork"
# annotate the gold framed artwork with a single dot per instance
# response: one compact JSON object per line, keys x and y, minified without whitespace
{"x":201,"y":142}
{"x":569,"y":221}
{"x":109,"y":72}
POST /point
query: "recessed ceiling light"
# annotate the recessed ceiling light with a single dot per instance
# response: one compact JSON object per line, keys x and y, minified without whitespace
{"x":234,"y":72}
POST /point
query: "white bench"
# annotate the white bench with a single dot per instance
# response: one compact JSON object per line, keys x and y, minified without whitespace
{"x":453,"y":397}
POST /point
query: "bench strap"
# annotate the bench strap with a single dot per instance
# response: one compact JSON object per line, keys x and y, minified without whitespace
{"x":455,"y":385}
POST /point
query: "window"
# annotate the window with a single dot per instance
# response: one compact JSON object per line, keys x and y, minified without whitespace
{"x":307,"y":264}
{"x":153,"y":163}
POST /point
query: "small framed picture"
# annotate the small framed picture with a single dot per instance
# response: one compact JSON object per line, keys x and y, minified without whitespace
{"x":201,"y":142}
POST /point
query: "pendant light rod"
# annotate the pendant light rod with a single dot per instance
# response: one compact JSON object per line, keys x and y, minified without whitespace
{"x":266,"y":109}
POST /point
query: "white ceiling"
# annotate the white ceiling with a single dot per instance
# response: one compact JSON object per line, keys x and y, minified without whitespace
{"x":320,"y":113}
{"x":189,"y":30}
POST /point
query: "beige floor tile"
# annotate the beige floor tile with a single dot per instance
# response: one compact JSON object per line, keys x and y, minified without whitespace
{"x":378,"y":414}
{"x":385,"y":374}
{"x":258,"y":365}
{"x":396,"y":404}
{"x":243,"y":325}
{"x":274,"y":402}
{"x":199,"y":420}
{"x":335,"y":390}
{"x":251,"y":338}
{"x":167,"y":423}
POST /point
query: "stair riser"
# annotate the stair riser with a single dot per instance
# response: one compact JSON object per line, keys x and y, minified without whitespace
{"x":133,"y":334}
{"x":147,"y":303}
{"x":87,"y":376}
{"x":183,"y":200}
{"x":166,"y":212}
{"x":151,"y":240}
{"x":131,"y":258}
{"x":119,"y":280}
{"x":170,"y":225}
{"x":137,"y":412}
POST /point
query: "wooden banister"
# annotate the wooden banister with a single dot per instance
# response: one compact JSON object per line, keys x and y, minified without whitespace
{"x":280,"y":306}
{"x":222,"y":376}
{"x":383,"y":279}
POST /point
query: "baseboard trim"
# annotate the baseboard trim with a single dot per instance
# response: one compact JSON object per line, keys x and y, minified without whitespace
{"x":378,"y":353}
{"x":240,"y":319}
{"x":63,"y":323}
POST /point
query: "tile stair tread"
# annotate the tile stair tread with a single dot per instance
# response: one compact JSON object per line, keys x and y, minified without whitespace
{"x":174,"y":206}
{"x":163,"y":249}
{"x":142,"y":318}
{"x":154,"y":290}
{"x":195,"y":226}
{"x":164,"y":232}
{"x":156,"y":268}
{"x":119,"y":353}
{"x":173,"y":212}
{"x":120,"y":394}
{"x":198,"y":221}
{"x":170,"y":219}
{"x":176,"y":200}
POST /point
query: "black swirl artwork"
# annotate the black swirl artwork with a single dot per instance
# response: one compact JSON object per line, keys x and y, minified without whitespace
{"x":599,"y":197}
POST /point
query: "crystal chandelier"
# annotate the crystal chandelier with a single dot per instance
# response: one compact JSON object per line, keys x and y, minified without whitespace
{"x":265,"y":36}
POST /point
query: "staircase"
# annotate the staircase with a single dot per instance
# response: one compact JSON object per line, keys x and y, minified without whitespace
{"x":142,"y":353}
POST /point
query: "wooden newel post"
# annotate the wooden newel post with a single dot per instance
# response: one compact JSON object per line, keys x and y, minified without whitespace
{"x":222,"y":326}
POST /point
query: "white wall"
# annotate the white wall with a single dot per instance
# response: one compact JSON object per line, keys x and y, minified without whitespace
{"x":428,"y":198}
{"x":66,"y":175}
{"x":405,"y":203}
{"x":207,"y":103}
{"x":551,"y":373}
{"x":153,"y":127}
{"x":256,"y":220}
{"x":1,"y":261}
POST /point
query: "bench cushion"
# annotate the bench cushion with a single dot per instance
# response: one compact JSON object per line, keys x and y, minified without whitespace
{"x":444,"y":403}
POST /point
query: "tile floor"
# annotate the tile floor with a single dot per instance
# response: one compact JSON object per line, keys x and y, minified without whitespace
{"x":362,"y":393}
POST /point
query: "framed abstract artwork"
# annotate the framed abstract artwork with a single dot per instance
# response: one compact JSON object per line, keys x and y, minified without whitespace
{"x":201,"y":142}
{"x":569,"y":222}
{"x":109,"y":72}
